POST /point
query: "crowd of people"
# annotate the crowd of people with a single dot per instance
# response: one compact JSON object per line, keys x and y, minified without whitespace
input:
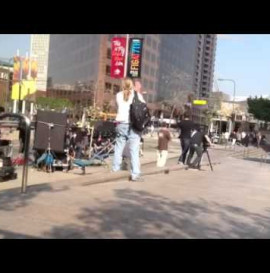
{"x":129,"y":141}
{"x":243,"y":138}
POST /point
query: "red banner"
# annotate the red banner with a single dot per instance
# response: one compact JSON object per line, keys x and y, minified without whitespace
{"x":118,"y":57}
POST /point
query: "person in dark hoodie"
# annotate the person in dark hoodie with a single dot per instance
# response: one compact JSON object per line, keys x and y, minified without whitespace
{"x":197,"y":142}
{"x":185,"y":127}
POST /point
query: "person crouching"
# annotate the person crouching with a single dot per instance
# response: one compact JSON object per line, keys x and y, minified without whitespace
{"x":164,"y":137}
{"x":196,"y":146}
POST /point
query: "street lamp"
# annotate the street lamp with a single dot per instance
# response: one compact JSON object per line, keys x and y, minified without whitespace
{"x":234,"y":87}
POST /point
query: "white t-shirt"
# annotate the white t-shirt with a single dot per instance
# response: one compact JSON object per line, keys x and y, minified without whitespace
{"x":124,"y":106}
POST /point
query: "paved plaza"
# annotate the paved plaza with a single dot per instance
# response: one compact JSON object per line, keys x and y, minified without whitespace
{"x":231,"y":202}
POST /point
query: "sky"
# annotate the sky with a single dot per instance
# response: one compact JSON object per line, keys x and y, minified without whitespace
{"x":9,"y":43}
{"x":244,"y":58}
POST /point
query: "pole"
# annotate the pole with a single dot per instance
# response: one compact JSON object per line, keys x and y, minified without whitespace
{"x":234,"y":87}
{"x":171,"y":116}
{"x":20,"y":86}
{"x":126,"y":57}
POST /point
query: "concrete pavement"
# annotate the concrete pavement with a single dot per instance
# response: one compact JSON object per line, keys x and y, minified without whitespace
{"x":231,"y":202}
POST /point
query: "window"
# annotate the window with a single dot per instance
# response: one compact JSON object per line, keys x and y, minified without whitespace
{"x":153,"y":58}
{"x":109,"y":52}
{"x":116,"y":89}
{"x":146,"y":69}
{"x":108,"y":87}
{"x":148,"y":40}
{"x":154,"y":44}
{"x":147,"y":55}
{"x":145,"y":83}
{"x":152,"y":72}
{"x":151,"y":85}
{"x":108,"y":70}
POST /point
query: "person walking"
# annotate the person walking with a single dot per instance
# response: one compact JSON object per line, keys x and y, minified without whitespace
{"x":185,"y":127}
{"x":152,"y":130}
{"x":164,"y":137}
{"x":258,"y":138}
{"x":125,"y":133}
{"x":233,"y":138}
{"x":238,"y":138}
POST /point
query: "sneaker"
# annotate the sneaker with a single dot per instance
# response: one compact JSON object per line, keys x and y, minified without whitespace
{"x":137,"y":179}
{"x":193,"y":169}
{"x":180,"y":163}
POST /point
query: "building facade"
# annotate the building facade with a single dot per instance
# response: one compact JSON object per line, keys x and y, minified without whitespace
{"x":39,"y":49}
{"x":205,"y":64}
{"x":6,"y":74}
{"x":83,"y":61}
{"x":177,"y":65}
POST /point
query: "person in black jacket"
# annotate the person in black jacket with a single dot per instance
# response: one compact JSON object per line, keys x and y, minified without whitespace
{"x":185,"y":127}
{"x":197,"y":142}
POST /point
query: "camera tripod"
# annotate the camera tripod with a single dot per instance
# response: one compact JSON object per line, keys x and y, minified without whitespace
{"x":205,"y":151}
{"x":47,"y":156}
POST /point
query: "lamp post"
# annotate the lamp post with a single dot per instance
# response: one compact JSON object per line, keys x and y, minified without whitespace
{"x":234,"y":88}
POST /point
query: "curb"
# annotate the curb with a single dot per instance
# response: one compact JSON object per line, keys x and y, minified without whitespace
{"x":165,"y":170}
{"x":109,"y":177}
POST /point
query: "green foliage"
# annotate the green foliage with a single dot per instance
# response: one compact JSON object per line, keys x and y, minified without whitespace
{"x":106,"y":107}
{"x":209,"y":115}
{"x":53,"y":103}
{"x":260,"y":108}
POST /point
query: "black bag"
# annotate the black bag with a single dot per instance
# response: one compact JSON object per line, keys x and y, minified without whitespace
{"x":139,"y":114}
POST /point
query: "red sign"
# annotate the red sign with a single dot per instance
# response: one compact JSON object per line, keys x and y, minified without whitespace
{"x":118,"y":57}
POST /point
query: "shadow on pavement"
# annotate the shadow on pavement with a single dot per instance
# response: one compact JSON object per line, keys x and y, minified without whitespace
{"x":138,"y":214}
{"x":11,"y":235}
{"x":12,"y":199}
{"x":259,"y":160}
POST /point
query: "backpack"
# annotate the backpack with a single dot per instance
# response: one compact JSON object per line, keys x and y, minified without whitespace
{"x":139,"y":114}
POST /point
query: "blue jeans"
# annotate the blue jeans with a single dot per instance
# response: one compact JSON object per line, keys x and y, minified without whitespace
{"x":125,"y":133}
{"x":185,"y":143}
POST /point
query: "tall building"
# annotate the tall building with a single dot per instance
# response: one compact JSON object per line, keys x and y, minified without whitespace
{"x":177,"y":65}
{"x":82,"y":62}
{"x":205,"y":63}
{"x":40,"y":51}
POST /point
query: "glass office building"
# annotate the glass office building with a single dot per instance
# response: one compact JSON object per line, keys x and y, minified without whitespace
{"x":172,"y":64}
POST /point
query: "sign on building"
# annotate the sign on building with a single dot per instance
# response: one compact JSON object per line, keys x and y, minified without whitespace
{"x":135,"y":58}
{"x":118,"y":57}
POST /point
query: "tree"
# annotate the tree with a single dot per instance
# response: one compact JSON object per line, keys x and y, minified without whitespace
{"x":209,"y":114}
{"x":106,"y":107}
{"x":53,"y":103}
{"x":260,"y":108}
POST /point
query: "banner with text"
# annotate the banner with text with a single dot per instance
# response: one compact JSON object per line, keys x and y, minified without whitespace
{"x":135,"y":58}
{"x":118,"y":57}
